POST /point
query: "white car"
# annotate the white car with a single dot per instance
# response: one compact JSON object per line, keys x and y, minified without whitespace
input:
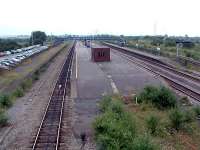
{"x":16,"y":60}
{"x":3,"y":66}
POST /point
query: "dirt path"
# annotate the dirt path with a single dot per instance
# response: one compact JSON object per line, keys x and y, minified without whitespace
{"x":26,"y":114}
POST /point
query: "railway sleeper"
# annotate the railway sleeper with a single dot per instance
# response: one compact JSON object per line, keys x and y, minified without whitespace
{"x":46,"y":146}
{"x":47,"y":139}
{"x":52,"y":122}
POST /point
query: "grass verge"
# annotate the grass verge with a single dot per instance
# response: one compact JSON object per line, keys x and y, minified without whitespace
{"x":115,"y":128}
{"x":144,"y":125}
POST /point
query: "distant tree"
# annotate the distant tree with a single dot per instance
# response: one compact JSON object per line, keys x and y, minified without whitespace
{"x":156,"y":41}
{"x":38,"y":37}
{"x":188,"y":44}
{"x":6,"y":45}
{"x":170,"y":42}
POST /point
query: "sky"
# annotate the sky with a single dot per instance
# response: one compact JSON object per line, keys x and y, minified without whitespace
{"x":83,"y":17}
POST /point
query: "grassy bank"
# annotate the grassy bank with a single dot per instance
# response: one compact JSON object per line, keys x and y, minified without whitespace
{"x":169,"y":51}
{"x":151,"y":121}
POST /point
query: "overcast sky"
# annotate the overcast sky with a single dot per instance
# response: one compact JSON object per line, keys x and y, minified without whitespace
{"x":128,"y":17}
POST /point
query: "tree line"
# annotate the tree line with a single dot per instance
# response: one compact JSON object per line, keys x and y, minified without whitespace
{"x":37,"y":37}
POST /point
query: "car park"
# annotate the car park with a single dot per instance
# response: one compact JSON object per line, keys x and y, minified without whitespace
{"x":14,"y":57}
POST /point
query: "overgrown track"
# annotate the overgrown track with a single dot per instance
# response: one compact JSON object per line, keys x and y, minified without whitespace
{"x":48,"y":135}
{"x":184,"y":82}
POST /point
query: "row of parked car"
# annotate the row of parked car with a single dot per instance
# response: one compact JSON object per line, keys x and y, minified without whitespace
{"x":17,"y":56}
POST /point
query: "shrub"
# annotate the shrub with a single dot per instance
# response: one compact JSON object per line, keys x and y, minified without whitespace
{"x":161,"y":97}
{"x":5,"y":100}
{"x":35,"y":77}
{"x":26,"y":84}
{"x":117,"y":107}
{"x":113,"y":132}
{"x":18,"y":92}
{"x":152,"y":124}
{"x":3,"y":119}
{"x":185,"y":101}
{"x":143,"y":143}
{"x":165,"y":98}
{"x":148,"y":94}
{"x":115,"y":128}
{"x":196,"y":109}
{"x":176,"y":118}
{"x":188,"y":116}
{"x":105,"y":103}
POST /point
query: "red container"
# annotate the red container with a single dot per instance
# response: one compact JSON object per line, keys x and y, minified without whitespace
{"x":99,"y":54}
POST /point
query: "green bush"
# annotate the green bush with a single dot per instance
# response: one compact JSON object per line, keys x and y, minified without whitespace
{"x":169,"y":42}
{"x":196,"y":109}
{"x":188,"y":116}
{"x":161,"y":97}
{"x":176,"y":118}
{"x":143,"y":143}
{"x":105,"y":103}
{"x":18,"y":92}
{"x":117,"y":107}
{"x":165,"y":98}
{"x":35,"y":77}
{"x":114,"y":133}
{"x":185,"y":101}
{"x":3,"y":119}
{"x":148,"y":94}
{"x":5,"y":101}
{"x":152,"y":123}
{"x":114,"y":129}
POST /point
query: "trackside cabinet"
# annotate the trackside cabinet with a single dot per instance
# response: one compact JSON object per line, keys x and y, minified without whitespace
{"x":100,"y":54}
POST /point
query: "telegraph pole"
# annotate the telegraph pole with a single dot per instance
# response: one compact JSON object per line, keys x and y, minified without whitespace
{"x":32,"y":38}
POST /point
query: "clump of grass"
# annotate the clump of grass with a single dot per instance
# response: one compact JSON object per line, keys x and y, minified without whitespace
{"x":5,"y":100}
{"x":26,"y":84}
{"x":185,"y":101}
{"x":143,"y":143}
{"x":3,"y":119}
{"x":152,"y":123}
{"x":176,"y":119}
{"x":19,"y":92}
{"x":188,"y":116}
{"x":161,"y":97}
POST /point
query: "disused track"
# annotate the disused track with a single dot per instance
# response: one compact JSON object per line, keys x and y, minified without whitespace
{"x":179,"y":80}
{"x":48,"y":135}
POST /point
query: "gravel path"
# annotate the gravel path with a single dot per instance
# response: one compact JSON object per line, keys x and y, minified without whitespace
{"x":27,"y":112}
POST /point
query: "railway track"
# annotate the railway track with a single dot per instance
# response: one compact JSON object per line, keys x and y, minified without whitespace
{"x":49,"y":132}
{"x":181,"y":81}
